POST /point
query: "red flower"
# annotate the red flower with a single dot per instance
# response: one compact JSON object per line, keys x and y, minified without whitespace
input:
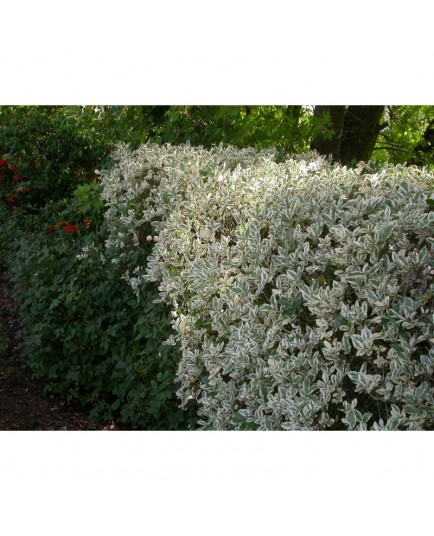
{"x":50,"y":228}
{"x":3,"y":163}
{"x":15,"y":178}
{"x":26,"y":189}
{"x":12,"y":168}
{"x":68,"y":228}
{"x":11,"y":198}
{"x":86,"y":223}
{"x":14,"y":209}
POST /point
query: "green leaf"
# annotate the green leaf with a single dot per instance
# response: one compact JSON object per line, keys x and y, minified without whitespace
{"x":351,"y":418}
{"x":239,"y":418}
{"x":292,"y":275}
{"x":366,"y":417}
{"x":291,"y":307}
{"x":340,"y":321}
{"x":385,"y":234}
{"x":412,"y":410}
{"x":421,"y":390}
{"x":54,"y":304}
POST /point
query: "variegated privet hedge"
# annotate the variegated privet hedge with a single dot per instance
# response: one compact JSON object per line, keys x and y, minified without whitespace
{"x":302,"y":291}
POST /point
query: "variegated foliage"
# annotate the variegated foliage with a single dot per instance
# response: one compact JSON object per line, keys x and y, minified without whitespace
{"x":302,"y":291}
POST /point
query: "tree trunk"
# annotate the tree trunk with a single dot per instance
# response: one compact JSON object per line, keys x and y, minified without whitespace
{"x":329,"y":143}
{"x":361,"y":128}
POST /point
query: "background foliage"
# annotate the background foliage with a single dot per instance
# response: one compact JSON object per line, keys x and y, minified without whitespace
{"x":82,"y":329}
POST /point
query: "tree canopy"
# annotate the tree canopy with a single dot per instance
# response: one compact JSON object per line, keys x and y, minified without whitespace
{"x":396,"y":134}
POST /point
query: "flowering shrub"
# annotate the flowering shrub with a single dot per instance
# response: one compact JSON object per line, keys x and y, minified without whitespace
{"x":14,"y":189}
{"x":49,"y":150}
{"x":301,"y":292}
{"x":82,"y":330}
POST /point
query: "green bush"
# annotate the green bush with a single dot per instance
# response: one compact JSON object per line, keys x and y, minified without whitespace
{"x":82,"y":329}
{"x":48,"y":151}
{"x":302,"y":292}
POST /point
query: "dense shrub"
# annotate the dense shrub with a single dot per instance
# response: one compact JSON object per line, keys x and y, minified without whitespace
{"x":47,"y":152}
{"x":82,"y":329}
{"x":302,"y":292}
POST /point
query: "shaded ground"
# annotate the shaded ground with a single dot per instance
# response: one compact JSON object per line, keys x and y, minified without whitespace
{"x":23,"y":404}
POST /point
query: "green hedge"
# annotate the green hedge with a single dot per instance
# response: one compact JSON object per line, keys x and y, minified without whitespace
{"x":302,"y":292}
{"x":83,"y":330}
